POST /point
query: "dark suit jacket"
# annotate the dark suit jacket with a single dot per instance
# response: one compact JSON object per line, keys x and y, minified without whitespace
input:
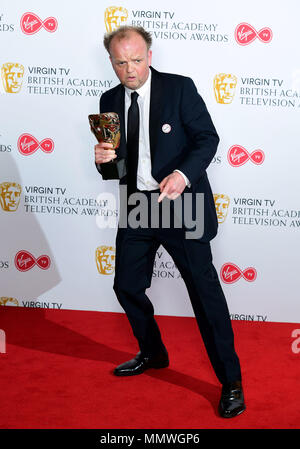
{"x":190,"y":145}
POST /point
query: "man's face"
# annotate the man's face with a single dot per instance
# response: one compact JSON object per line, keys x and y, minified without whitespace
{"x":130,"y":59}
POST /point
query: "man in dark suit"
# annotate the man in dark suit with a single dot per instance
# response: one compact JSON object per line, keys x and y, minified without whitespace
{"x":168,"y":141}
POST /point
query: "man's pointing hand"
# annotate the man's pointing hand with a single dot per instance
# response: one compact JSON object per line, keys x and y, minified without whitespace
{"x":171,"y":186}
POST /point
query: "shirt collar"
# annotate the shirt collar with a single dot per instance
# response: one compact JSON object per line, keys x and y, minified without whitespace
{"x":142,"y":90}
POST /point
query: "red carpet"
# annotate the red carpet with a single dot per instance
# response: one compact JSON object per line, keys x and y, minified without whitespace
{"x":57,"y":373}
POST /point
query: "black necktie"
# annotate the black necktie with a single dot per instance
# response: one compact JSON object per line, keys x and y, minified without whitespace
{"x":133,"y":124}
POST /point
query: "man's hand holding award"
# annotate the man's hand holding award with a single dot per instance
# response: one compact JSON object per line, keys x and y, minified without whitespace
{"x":106,"y":128}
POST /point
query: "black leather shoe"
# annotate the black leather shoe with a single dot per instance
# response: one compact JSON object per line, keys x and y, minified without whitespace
{"x":232,"y":400}
{"x":140,"y":363}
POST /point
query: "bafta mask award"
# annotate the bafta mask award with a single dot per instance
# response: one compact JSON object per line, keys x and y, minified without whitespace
{"x":106,"y":128}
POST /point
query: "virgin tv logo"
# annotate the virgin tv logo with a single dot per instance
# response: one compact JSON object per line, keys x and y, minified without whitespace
{"x":31,"y":23}
{"x":245,"y":34}
{"x":24,"y":261}
{"x":231,"y":273}
{"x":28,"y":144}
{"x":238,"y":155}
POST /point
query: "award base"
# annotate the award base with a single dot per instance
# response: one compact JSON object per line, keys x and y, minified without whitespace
{"x":115,"y":169}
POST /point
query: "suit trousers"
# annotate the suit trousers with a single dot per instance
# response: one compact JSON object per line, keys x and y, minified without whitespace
{"x":135,"y":254}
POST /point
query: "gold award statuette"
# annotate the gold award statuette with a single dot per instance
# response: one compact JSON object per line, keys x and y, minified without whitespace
{"x":106,"y":128}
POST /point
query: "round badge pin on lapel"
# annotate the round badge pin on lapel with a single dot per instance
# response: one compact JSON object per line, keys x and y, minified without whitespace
{"x":166,"y":128}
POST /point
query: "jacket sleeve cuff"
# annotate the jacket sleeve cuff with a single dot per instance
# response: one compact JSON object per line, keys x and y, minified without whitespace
{"x":187,"y":182}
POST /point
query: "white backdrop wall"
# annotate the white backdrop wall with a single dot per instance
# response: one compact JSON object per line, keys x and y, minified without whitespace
{"x":52,"y":199}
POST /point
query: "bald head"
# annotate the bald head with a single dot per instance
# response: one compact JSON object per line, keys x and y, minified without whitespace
{"x":123,"y":31}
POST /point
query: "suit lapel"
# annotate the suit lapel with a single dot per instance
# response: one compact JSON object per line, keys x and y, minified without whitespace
{"x":155,"y":110}
{"x":119,"y":107}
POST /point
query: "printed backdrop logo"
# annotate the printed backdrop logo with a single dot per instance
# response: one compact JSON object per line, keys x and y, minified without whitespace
{"x":5,"y":148}
{"x":10,"y":193}
{"x":27,"y":144}
{"x":5,"y":301}
{"x":12,"y":77}
{"x":231,"y":273}
{"x":222,"y":205}
{"x":245,"y":34}
{"x":4,"y":26}
{"x":114,"y":17}
{"x":224,"y":87}
{"x":4,"y":264}
{"x":105,"y":259}
{"x":30,"y":23}
{"x":24,"y":261}
{"x":238,"y":155}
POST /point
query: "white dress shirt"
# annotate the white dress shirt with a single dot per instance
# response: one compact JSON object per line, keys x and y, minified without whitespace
{"x":145,"y":181}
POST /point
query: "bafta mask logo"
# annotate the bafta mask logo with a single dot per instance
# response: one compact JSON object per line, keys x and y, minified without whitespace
{"x":5,"y":301}
{"x":105,"y":259}
{"x":222,"y":205}
{"x":12,"y":77}
{"x":224,"y":87}
{"x":114,"y":17}
{"x":10,"y":194}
